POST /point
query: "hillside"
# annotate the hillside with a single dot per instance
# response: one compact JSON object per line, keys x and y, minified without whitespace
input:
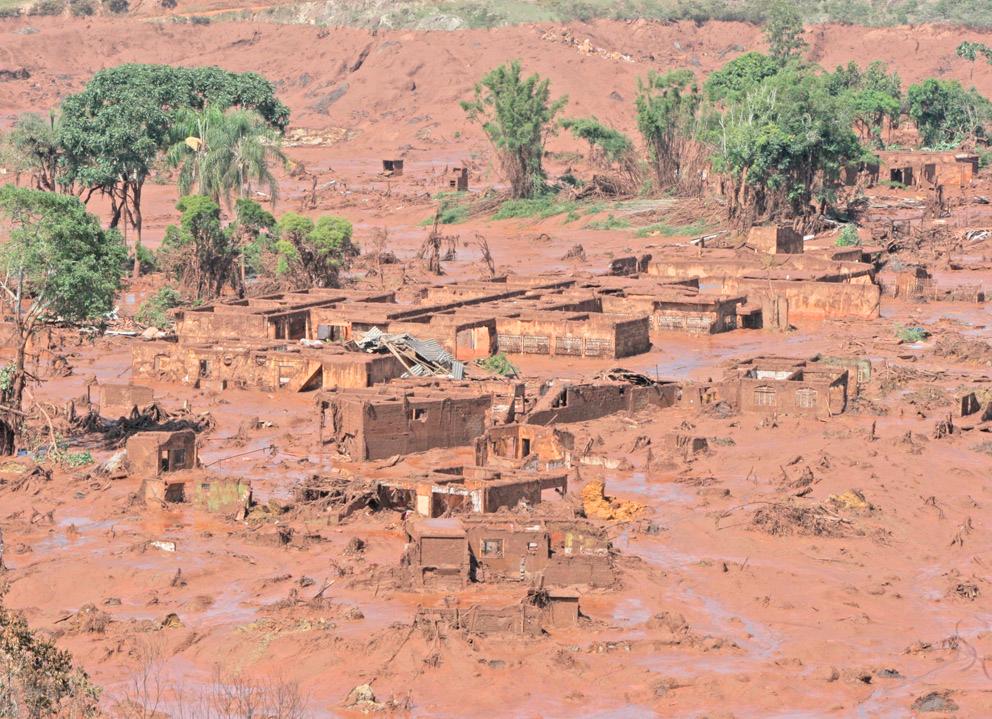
{"x":383,"y":90}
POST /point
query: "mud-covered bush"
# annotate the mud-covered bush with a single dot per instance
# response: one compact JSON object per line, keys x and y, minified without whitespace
{"x":48,"y":8}
{"x":82,"y":8}
{"x":37,"y":679}
{"x":154,"y":311}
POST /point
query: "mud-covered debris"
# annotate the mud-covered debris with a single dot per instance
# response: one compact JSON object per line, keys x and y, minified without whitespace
{"x":362,"y":699}
{"x":89,"y":620}
{"x":172,"y":621}
{"x":597,"y":505}
{"x":577,"y":252}
{"x":796,"y":519}
{"x":967,"y":590}
{"x":852,"y":500}
{"x":355,"y":546}
{"x":935,"y":702}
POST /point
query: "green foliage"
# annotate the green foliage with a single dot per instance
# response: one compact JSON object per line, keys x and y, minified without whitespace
{"x":37,"y":679}
{"x":873,"y":96}
{"x":154,"y":311}
{"x":541,"y":207}
{"x":944,"y":112}
{"x":661,"y":228}
{"x":117,"y":7}
{"x":984,"y":158}
{"x":499,"y":364}
{"x":971,"y":50}
{"x":146,"y":259}
{"x":848,"y":237}
{"x":113,"y":131}
{"x":82,"y":8}
{"x":739,"y":76}
{"x":666,"y":117}
{"x":312,"y":253}
{"x":7,"y":377}
{"x":34,"y":148}
{"x":58,"y":255}
{"x":911,"y":335}
{"x":517,"y":116}
{"x":199,"y":254}
{"x":784,"y":30}
{"x":49,"y":8}
{"x":253,"y":230}
{"x":452,"y":209}
{"x":220,"y":153}
{"x":783,"y":145}
{"x":604,"y":141}
{"x":610,"y":223}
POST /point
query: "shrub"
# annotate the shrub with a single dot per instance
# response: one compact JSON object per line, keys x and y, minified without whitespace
{"x":117,"y":7}
{"x":47,"y":8}
{"x":146,"y":259}
{"x":154,"y":311}
{"x":848,"y":237}
{"x":610,"y":223}
{"x":199,"y":20}
{"x":499,"y":364}
{"x":81,"y":8}
{"x":540,"y":207}
{"x":911,"y":335}
{"x":517,"y":114}
{"x":168,"y":4}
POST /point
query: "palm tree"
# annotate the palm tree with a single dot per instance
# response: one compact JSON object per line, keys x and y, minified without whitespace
{"x":224,"y":154}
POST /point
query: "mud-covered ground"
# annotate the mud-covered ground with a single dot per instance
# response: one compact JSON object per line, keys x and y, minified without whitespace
{"x":797,"y":568}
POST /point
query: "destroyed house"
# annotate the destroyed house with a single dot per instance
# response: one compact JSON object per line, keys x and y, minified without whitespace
{"x":521,"y":446}
{"x":392,"y":168}
{"x":500,"y":549}
{"x":438,"y":553}
{"x":280,"y":316}
{"x":775,"y":240}
{"x":928,"y":169}
{"x":152,"y":454}
{"x":481,"y":490}
{"x":120,"y":400}
{"x":679,"y":309}
{"x":265,"y":367}
{"x":574,"y":334}
{"x":811,"y":286}
{"x":369,"y":424}
{"x":539,"y":611}
{"x":563,"y":402}
{"x":778,"y":385}
{"x":458,"y":179}
{"x":224,"y":495}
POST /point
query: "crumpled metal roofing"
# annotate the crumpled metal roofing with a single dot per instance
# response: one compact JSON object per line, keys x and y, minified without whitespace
{"x":429,"y":350}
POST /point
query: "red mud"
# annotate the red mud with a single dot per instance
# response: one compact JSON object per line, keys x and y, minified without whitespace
{"x":854,"y":622}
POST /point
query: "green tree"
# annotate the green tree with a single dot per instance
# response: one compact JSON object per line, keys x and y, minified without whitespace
{"x":739,"y":76}
{"x":781,"y":148}
{"x":784,"y":30}
{"x":113,"y":131}
{"x":200,"y":254}
{"x":947,"y":114}
{"x":223,"y":153}
{"x":667,"y":105}
{"x":517,"y":116}
{"x":34,"y":148}
{"x":874,"y":96}
{"x":971,"y":51}
{"x":57,"y":262}
{"x":606,"y":144}
{"x":310,"y":254}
